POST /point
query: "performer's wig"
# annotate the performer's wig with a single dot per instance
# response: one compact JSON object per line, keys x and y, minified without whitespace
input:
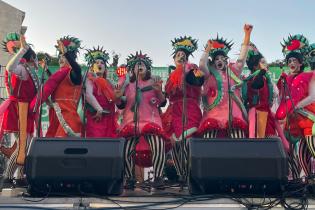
{"x":311,"y":56}
{"x":186,"y":44}
{"x":295,"y":46}
{"x":134,"y":59}
{"x":11,"y":44}
{"x":220,"y":47}
{"x":96,"y":53}
{"x":72,"y":44}
{"x":253,"y":57}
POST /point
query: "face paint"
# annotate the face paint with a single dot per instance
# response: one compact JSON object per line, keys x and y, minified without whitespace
{"x":180,"y":58}
{"x":294,"y":65}
{"x":220,"y":62}
{"x":99,"y":67}
{"x":141,"y":68}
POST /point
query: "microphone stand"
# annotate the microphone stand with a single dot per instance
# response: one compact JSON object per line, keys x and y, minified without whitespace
{"x":136,"y":121}
{"x":83,"y":96}
{"x":228,"y":73}
{"x":286,"y":91}
{"x":184,"y":121}
{"x":39,"y":101}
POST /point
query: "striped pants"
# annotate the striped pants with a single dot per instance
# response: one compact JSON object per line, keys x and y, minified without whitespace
{"x":12,"y":166}
{"x":177,"y":152}
{"x":305,"y":156}
{"x":294,"y":163}
{"x":235,"y":134}
{"x":157,"y":147}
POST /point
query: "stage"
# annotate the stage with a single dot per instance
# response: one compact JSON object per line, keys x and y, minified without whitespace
{"x":171,"y":198}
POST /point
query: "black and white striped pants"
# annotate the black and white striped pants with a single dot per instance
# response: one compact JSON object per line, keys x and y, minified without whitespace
{"x":177,"y":152}
{"x":235,"y":134}
{"x":305,"y":156}
{"x":12,"y":166}
{"x":157,"y":146}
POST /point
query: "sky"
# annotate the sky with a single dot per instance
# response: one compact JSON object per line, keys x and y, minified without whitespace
{"x":126,"y":26}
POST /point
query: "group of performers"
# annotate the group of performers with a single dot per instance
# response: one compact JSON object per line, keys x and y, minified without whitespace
{"x":210,"y":100}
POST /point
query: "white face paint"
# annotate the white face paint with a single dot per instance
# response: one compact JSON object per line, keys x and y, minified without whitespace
{"x":63,"y":61}
{"x":294,"y":65}
{"x":141,"y":68}
{"x":220,"y":62}
{"x":180,"y":58}
{"x":99,"y":67}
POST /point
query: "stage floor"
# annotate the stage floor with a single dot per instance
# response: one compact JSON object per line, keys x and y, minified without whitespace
{"x":172,"y":198}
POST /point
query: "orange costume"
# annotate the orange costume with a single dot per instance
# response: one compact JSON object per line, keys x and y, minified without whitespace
{"x":64,"y":87}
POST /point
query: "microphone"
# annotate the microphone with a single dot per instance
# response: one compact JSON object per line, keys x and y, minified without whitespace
{"x":47,"y":58}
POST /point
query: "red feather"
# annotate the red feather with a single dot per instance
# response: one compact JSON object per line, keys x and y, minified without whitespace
{"x":66,"y":42}
{"x":295,"y":44}
{"x":217,"y":45}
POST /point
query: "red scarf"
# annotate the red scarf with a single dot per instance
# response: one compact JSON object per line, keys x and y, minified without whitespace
{"x":104,"y":87}
{"x":175,"y":80}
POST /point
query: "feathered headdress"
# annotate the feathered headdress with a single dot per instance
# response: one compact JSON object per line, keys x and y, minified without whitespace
{"x":11,"y":43}
{"x":311,"y":53}
{"x":296,"y":43}
{"x":72,"y":44}
{"x":186,"y":44}
{"x":220,"y":45}
{"x":311,"y":50}
{"x":132,"y":60}
{"x":96,"y":53}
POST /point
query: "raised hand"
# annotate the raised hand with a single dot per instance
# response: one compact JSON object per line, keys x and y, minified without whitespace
{"x":23,"y":43}
{"x":209,"y":46}
{"x":248,"y":29}
{"x":118,"y":91}
{"x":157,"y":83}
{"x":61,"y":47}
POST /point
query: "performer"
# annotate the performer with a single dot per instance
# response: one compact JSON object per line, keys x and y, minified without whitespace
{"x":64,"y":87}
{"x":311,"y":56}
{"x":224,"y":113}
{"x":183,"y":115}
{"x":22,"y":85}
{"x":100,"y":96}
{"x":297,"y":104}
{"x":141,"y":117}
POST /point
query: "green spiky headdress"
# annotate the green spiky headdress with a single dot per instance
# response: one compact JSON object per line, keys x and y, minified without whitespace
{"x":186,"y":44}
{"x":252,"y":51}
{"x":295,"y":44}
{"x":72,"y":44}
{"x":311,"y":53}
{"x":11,"y":43}
{"x":311,"y":50}
{"x":220,"y":45}
{"x":96,"y":53}
{"x":132,"y":60}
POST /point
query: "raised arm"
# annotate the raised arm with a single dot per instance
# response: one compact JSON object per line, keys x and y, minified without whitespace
{"x":244,"y":48}
{"x":15,"y":60}
{"x":203,"y":63}
{"x":75,"y":74}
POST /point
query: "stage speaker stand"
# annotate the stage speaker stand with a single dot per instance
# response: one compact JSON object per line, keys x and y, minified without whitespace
{"x":237,"y":166}
{"x":62,"y":164}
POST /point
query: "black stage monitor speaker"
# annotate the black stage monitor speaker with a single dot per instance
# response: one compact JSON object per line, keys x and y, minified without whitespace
{"x":239,"y":166}
{"x":57,"y":164}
